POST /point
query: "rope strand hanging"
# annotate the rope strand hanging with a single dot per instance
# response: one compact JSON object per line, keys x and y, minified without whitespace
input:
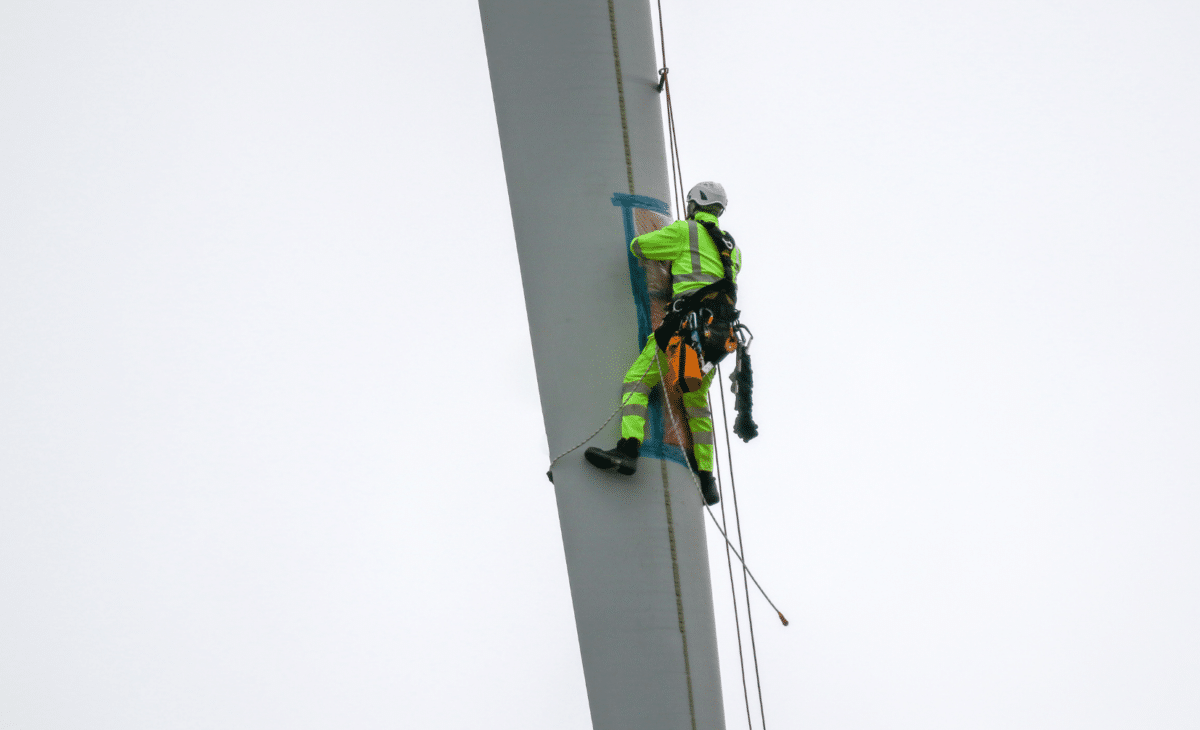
{"x":745,"y":588}
{"x":729,"y":564}
{"x":677,"y":185}
{"x":664,"y":84}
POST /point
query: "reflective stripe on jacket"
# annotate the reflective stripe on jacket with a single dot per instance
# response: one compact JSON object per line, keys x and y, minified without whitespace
{"x":691,"y":251}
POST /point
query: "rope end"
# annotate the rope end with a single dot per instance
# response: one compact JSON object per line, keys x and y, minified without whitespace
{"x":782,"y":618}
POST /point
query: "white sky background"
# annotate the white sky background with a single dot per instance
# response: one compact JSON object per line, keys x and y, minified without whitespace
{"x":272,"y":453}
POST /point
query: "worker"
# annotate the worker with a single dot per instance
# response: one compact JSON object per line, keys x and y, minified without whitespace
{"x":698,"y":271}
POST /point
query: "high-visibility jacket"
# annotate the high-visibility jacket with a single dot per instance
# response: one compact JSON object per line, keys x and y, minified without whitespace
{"x":695,"y":262}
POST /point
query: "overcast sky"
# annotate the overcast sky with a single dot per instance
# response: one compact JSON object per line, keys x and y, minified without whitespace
{"x":271,"y":451}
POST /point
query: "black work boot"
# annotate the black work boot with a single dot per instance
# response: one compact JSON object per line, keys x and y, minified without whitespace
{"x":623,"y":456}
{"x":708,"y":487}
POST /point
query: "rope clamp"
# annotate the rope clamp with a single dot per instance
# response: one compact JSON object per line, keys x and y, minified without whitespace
{"x":662,"y":78}
{"x":744,"y":337}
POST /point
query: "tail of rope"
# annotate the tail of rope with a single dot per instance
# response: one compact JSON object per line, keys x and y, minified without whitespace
{"x":743,"y":387}
{"x":716,"y":523}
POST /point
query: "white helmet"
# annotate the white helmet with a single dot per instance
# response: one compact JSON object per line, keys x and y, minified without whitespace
{"x":708,"y":193}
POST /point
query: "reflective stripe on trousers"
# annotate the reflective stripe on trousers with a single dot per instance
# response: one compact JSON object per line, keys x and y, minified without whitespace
{"x":643,"y":375}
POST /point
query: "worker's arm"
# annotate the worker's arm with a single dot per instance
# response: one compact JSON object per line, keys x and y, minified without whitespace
{"x":665,"y":244}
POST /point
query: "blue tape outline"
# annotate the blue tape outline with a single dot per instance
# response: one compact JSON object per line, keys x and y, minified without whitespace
{"x":653,"y":445}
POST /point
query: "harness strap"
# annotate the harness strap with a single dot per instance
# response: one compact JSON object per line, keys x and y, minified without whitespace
{"x":725,"y":245}
{"x":694,"y":245}
{"x":718,"y":295}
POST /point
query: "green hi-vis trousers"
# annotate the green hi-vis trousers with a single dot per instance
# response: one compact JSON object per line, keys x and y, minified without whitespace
{"x":643,"y":375}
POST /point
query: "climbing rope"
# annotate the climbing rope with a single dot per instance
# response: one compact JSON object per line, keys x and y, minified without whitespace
{"x":745,"y":587}
{"x":664,"y":85}
{"x":728,"y":559}
{"x":728,"y":544}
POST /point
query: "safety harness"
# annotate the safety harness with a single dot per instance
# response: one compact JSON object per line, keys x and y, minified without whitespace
{"x":703,"y":326}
